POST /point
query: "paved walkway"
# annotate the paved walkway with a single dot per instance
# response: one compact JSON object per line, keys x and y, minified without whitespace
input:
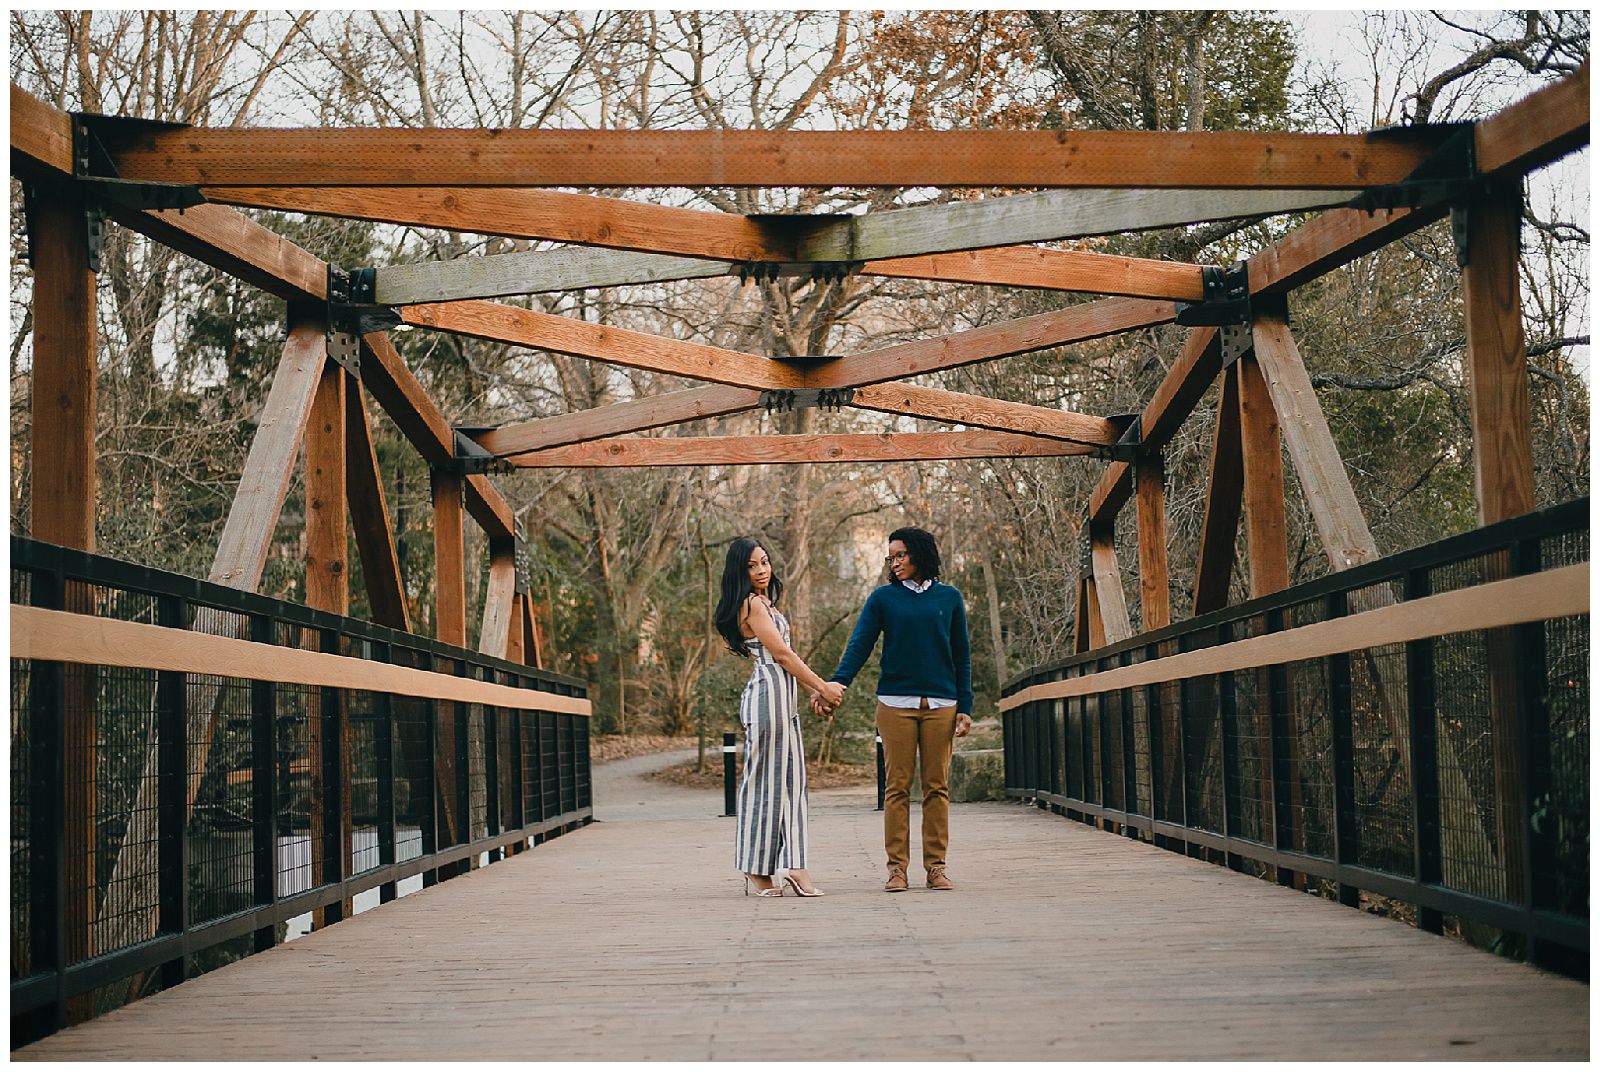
{"x":630,"y":940}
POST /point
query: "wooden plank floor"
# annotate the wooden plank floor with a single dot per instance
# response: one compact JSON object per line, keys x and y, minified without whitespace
{"x":630,"y":940}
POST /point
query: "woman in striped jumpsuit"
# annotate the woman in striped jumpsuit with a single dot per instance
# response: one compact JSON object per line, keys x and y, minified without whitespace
{"x":771,"y":823}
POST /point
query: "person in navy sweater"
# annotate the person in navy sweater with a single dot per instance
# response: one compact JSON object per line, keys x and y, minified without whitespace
{"x":924,"y":696}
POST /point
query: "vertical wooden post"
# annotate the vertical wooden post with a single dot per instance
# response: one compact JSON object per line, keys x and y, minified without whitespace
{"x":1497,"y":356}
{"x":63,"y":499}
{"x":1502,"y":471}
{"x":328,"y":588}
{"x":450,"y":626}
{"x":63,"y":489}
{"x":1262,"y":450}
{"x":1149,"y":475}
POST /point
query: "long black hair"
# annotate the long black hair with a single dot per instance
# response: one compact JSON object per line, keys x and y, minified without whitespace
{"x":736,"y":589}
{"x":923,"y":551}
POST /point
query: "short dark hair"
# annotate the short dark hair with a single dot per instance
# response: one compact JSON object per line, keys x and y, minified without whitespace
{"x":923,"y":550}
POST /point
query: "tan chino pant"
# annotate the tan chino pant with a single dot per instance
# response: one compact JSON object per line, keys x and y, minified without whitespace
{"x":905,"y":732}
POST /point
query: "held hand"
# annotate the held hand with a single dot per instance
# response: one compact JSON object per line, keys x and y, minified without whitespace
{"x":819,"y":708}
{"x":831,"y":694}
{"x":963,"y":724}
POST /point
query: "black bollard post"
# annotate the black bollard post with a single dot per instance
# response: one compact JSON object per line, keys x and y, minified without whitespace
{"x":728,"y":749}
{"x":880,"y":771}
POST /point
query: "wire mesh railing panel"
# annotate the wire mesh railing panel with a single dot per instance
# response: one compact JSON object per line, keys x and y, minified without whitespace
{"x":1467,"y":813}
{"x":221,"y":820}
{"x":1251,"y":737}
{"x":1136,"y":704}
{"x":126,"y":833}
{"x":1561,"y":813}
{"x":1200,"y":718}
{"x":1381,"y":778}
{"x":367,"y":720}
{"x":549,"y":765}
{"x":477,"y":774}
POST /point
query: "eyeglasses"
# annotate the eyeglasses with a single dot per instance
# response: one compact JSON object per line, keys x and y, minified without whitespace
{"x":898,"y":556}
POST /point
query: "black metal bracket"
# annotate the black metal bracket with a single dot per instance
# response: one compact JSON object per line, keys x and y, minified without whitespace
{"x":470,"y":458}
{"x":1226,"y":298}
{"x":1130,"y":439}
{"x":1236,"y":340}
{"x":783,"y":401}
{"x":524,"y":565}
{"x":353,"y":312}
{"x":94,"y":168}
{"x":1448,"y":177}
{"x":818,"y":271}
{"x":758,"y":271}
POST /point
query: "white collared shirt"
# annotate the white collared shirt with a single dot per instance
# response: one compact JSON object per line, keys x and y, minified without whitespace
{"x":912,"y":703}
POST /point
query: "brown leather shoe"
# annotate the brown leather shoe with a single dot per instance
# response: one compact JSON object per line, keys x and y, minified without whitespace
{"x":938,"y":880}
{"x":897,"y":881}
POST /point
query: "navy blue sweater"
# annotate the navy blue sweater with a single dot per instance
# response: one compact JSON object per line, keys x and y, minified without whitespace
{"x":925,"y":649}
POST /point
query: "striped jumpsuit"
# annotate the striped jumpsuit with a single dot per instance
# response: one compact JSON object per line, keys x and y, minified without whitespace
{"x":772,"y":791}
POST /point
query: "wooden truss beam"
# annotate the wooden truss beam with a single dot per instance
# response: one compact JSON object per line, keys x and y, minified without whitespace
{"x":1076,"y":323}
{"x":539,"y":272}
{"x":1180,"y":390}
{"x":493,"y":635}
{"x":1338,"y":516}
{"x":1050,"y":269}
{"x":791,"y":449}
{"x":1045,"y":216}
{"x":524,"y":327}
{"x":562,"y":270}
{"x":976,"y":411}
{"x":1219,"y":528}
{"x":640,"y":415}
{"x":1266,"y":533}
{"x":618,"y":346}
{"x":1539,"y":128}
{"x":369,"y":515}
{"x":268,"y":468}
{"x":392,"y":384}
{"x":1154,"y":596}
{"x":1108,"y":587}
{"x":978,"y":158}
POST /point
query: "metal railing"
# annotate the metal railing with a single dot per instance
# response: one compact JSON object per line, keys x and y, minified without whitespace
{"x":165,"y":821}
{"x":1442,"y":778}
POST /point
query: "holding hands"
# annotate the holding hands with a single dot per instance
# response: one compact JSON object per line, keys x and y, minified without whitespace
{"x":827,"y":698}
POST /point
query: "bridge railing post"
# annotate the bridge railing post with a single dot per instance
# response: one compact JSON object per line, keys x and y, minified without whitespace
{"x":882,"y":773}
{"x":172,"y":804}
{"x":1342,"y":731}
{"x":728,"y":749}
{"x":383,"y":733}
{"x":1427,"y":856}
{"x":264,"y":762}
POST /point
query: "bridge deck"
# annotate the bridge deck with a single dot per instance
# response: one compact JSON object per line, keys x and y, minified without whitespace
{"x":630,"y":940}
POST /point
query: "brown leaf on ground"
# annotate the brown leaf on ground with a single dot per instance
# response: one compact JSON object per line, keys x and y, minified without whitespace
{"x":818,"y":775}
{"x":618,"y":746}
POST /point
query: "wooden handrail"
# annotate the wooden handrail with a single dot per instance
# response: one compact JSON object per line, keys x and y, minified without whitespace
{"x":62,"y":636}
{"x":1556,"y":593}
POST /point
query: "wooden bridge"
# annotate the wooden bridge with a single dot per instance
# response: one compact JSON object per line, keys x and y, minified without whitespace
{"x":630,"y":940}
{"x":196,"y":765}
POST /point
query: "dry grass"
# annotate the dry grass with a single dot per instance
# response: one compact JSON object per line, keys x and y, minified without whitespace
{"x":618,"y":746}
{"x":818,"y":775}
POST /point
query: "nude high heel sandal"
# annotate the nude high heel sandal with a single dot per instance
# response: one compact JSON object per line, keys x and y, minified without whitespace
{"x":789,"y":880}
{"x":775,"y":891}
